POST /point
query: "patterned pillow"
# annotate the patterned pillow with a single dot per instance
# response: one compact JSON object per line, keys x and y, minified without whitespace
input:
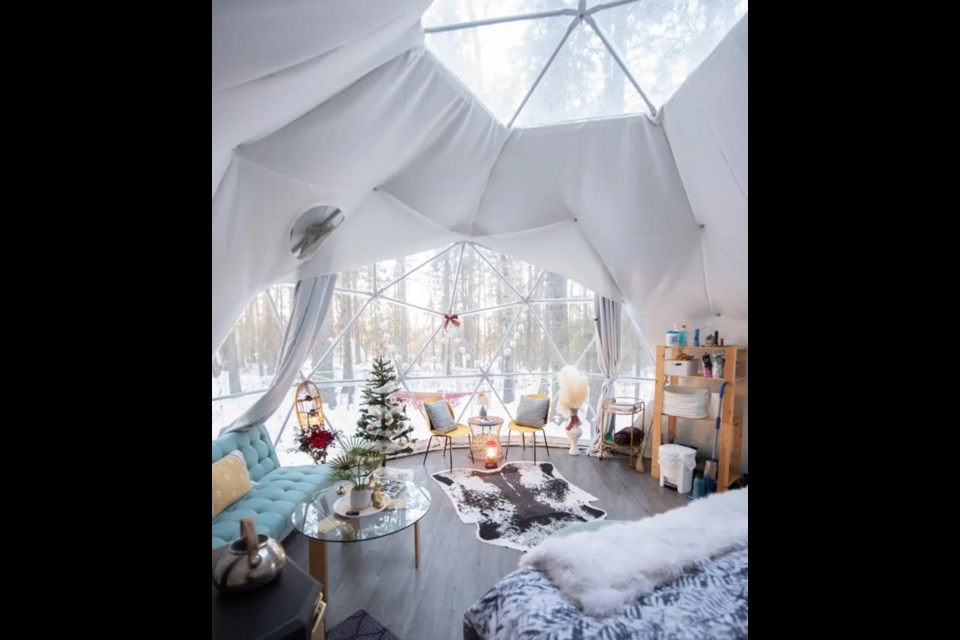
{"x":440,"y":418}
{"x":231,"y":481}
{"x":532,"y":412}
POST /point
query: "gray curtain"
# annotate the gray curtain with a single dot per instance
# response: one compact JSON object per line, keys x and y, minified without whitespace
{"x":608,"y":357}
{"x":311,"y":302}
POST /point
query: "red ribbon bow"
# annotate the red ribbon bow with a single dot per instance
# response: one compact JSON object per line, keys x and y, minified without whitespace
{"x":574,"y":421}
{"x":448,"y":318}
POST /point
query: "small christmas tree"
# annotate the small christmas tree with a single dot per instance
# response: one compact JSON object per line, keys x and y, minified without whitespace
{"x":382,"y":421}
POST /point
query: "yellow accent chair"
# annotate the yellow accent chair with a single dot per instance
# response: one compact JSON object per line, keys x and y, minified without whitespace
{"x":448,"y":436}
{"x":524,"y":430}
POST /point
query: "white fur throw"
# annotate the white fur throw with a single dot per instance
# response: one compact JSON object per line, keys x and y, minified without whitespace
{"x":603,"y":571}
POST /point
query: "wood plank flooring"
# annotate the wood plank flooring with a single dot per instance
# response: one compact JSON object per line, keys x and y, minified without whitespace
{"x":456,"y":568}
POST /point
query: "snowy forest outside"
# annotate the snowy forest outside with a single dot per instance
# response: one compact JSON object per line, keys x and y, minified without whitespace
{"x":519,"y":326}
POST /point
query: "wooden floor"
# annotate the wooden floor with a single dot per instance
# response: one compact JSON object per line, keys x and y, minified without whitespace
{"x":456,"y":568}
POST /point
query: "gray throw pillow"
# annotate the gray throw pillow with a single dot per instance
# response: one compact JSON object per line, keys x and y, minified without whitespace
{"x":532,"y":412}
{"x":440,"y":418}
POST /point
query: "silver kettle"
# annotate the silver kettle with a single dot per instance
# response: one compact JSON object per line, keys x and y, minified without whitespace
{"x":249,"y":562}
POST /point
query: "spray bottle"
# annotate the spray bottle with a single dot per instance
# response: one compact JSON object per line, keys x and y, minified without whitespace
{"x":683,"y":334}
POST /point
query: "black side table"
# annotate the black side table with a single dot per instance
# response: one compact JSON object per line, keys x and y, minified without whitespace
{"x":289,"y":608}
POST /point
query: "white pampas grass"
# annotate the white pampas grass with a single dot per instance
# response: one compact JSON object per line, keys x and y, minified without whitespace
{"x":574,"y":390}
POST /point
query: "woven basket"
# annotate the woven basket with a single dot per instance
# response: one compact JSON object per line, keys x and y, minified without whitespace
{"x":686,"y":402}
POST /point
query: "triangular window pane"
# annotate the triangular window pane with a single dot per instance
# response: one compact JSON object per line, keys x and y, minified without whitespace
{"x":521,"y":274}
{"x":635,"y":358}
{"x":499,"y":62}
{"x":480,"y":287}
{"x":247,"y":359}
{"x":430,"y":286}
{"x":570,"y":326}
{"x":662,"y":42}
{"x":584,"y":81}
{"x":553,"y":286}
{"x":444,"y":12}
{"x":342,"y":308}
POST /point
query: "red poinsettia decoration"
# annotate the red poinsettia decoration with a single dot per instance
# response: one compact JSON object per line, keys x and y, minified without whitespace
{"x":315,"y":440}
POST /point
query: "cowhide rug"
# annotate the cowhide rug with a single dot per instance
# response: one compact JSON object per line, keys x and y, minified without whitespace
{"x":519,"y":504}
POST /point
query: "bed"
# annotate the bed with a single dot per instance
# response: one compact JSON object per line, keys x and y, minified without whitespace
{"x":706,"y":598}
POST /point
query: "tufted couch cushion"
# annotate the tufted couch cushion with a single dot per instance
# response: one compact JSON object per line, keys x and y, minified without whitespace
{"x":277,"y":492}
{"x":254,"y":444}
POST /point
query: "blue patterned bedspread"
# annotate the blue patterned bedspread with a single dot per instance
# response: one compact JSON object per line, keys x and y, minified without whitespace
{"x":709,"y":601}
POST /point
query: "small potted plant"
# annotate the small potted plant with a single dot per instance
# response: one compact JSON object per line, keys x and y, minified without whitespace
{"x":355,"y":463}
{"x":483,"y":400}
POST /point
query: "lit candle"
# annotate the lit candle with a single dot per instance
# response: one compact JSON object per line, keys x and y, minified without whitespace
{"x":492,"y":454}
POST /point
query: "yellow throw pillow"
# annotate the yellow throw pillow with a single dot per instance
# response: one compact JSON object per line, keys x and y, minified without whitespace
{"x":231,"y":481}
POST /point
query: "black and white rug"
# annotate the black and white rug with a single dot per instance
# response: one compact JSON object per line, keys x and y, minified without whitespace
{"x":519,"y":504}
{"x":361,"y":625}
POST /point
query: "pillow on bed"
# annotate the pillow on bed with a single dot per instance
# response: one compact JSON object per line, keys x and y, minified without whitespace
{"x":532,"y":412}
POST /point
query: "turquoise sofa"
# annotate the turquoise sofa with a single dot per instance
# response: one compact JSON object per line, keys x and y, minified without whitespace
{"x":277,"y":492}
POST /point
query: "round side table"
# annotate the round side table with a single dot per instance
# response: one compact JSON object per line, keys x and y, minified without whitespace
{"x":483,"y":430}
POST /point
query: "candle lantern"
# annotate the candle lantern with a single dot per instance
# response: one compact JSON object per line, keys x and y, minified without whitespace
{"x":492,"y":454}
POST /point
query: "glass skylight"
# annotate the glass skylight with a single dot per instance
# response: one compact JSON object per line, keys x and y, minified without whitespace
{"x":535,"y":62}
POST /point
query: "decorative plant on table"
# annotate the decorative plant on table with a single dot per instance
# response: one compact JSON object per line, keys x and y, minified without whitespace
{"x":355,"y":462}
{"x":382,"y":420}
{"x":574,"y":391}
{"x":483,"y":400}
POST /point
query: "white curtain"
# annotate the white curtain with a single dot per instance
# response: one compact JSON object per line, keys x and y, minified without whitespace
{"x":608,"y":357}
{"x":311,"y":302}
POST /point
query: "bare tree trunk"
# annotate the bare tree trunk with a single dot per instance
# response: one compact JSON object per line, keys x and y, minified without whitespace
{"x":446,"y":302}
{"x":231,"y":362}
{"x":403,"y":331}
{"x":257,"y":319}
{"x":347,"y":342}
{"x":468,"y":289}
{"x":509,"y":367}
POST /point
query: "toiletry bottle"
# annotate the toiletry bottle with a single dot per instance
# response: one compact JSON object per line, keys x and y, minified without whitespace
{"x":696,"y":337}
{"x":717,"y":365}
{"x":683,"y":334}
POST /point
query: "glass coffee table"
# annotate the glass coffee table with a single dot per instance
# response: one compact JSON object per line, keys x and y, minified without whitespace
{"x":320,"y":523}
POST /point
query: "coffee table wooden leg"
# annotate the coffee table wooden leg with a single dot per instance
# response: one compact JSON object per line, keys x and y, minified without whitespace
{"x":317,"y":552}
{"x":416,"y":545}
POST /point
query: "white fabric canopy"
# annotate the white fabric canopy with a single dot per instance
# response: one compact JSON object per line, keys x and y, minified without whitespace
{"x":337,"y":102}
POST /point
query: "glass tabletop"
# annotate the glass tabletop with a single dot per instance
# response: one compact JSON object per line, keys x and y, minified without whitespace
{"x":317,"y":519}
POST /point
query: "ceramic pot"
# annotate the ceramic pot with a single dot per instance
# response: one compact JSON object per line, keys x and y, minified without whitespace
{"x":360,"y":499}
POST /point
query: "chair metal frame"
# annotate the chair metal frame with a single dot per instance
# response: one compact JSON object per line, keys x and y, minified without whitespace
{"x":523,"y":429}
{"x":448,"y":435}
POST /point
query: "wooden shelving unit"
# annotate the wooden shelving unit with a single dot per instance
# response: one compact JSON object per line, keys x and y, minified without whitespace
{"x":731,"y":413}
